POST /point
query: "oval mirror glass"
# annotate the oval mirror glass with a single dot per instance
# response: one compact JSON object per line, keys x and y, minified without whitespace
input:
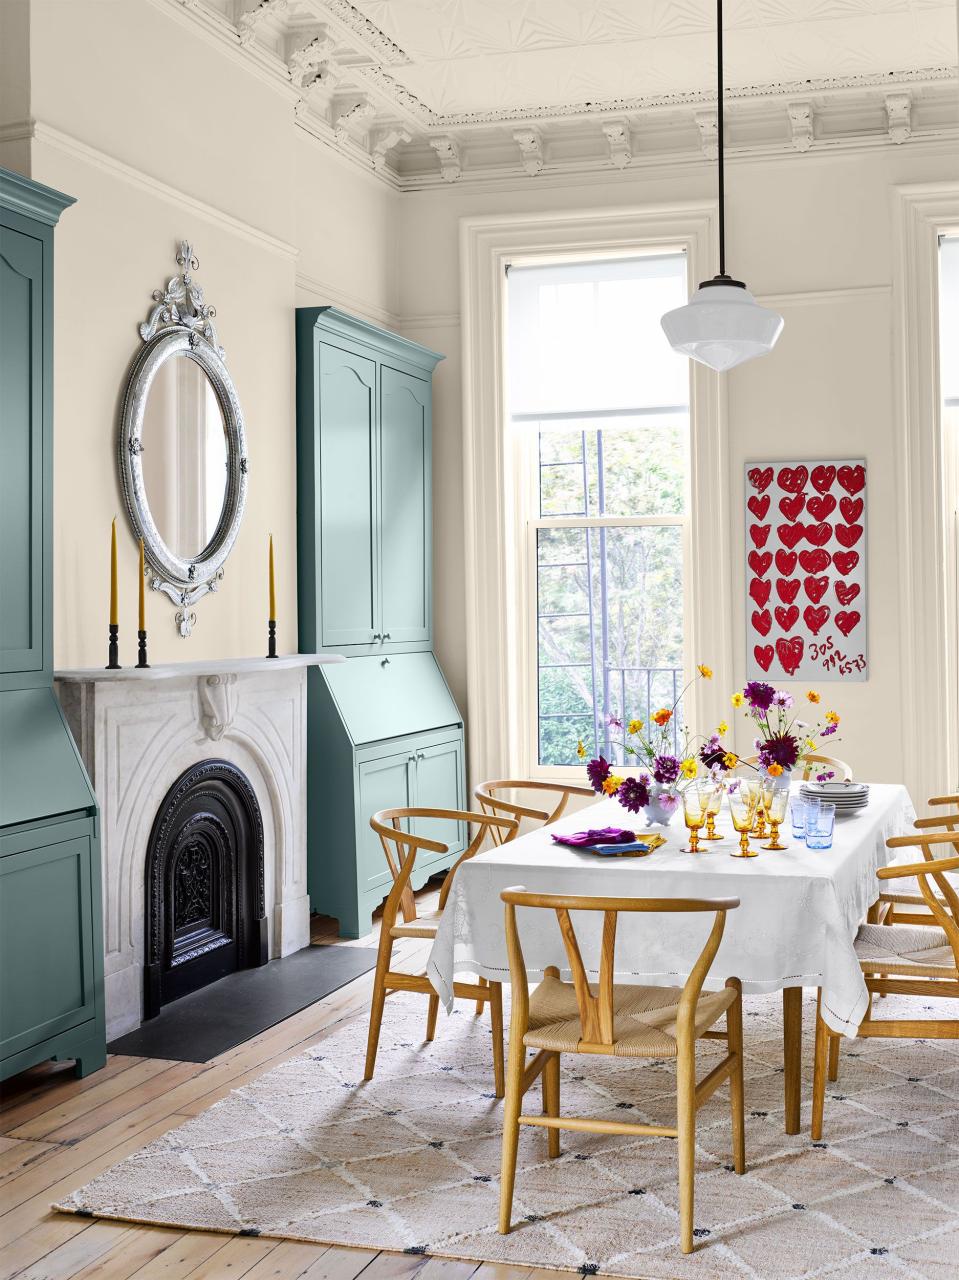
{"x":184,"y":456}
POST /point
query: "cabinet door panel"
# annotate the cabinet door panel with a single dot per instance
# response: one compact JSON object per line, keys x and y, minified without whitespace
{"x":439,"y":785}
{"x":47,"y":979}
{"x":383,"y":784}
{"x":405,"y":505}
{"x":348,"y":572}
{"x":21,"y":452}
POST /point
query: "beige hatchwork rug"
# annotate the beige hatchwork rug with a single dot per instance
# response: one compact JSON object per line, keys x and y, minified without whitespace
{"x":410,"y":1162}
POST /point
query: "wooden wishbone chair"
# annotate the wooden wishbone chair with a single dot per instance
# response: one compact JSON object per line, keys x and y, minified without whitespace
{"x":888,"y":908}
{"x":622,"y":1022}
{"x":902,"y":959}
{"x":401,"y":848}
{"x":491,"y":802}
{"x":838,"y":766}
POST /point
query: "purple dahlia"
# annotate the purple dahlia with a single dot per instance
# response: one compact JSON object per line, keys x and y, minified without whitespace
{"x":713,"y":754}
{"x":633,"y":794}
{"x":781,"y":749}
{"x":759,"y":695}
{"x":598,"y":771}
{"x":666,"y":769}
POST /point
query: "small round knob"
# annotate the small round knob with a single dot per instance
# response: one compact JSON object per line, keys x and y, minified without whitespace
{"x":377,"y":636}
{"x":385,"y":636}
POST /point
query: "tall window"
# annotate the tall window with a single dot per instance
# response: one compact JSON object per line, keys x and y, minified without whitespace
{"x":949,"y":378}
{"x":599,"y":411}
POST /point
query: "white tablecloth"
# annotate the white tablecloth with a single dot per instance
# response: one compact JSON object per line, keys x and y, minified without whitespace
{"x":799,"y":911}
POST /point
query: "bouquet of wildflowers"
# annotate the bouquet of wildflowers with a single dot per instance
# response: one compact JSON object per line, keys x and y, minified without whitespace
{"x":782,"y":739}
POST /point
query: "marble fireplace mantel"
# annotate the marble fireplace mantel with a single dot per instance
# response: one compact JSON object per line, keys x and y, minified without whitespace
{"x":137,"y":731}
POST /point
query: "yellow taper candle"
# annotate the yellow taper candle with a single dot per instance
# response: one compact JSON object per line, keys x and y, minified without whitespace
{"x":143,"y":605}
{"x":114,"y":606}
{"x":272,"y":584}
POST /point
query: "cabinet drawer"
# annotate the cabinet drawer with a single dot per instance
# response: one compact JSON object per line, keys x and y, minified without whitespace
{"x":379,"y":698}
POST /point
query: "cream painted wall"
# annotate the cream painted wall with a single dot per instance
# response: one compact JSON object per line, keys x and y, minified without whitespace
{"x":813,"y":233}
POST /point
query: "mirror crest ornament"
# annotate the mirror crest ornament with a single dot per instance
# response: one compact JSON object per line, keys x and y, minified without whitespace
{"x":183,"y":446}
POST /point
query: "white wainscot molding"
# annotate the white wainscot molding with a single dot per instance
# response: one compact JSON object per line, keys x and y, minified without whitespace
{"x":138,"y":730}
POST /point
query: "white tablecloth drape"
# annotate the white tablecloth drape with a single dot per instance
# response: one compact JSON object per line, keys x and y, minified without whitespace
{"x":795,"y":927}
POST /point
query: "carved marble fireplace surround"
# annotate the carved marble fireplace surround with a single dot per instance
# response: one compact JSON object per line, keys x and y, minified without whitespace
{"x":138,"y":730}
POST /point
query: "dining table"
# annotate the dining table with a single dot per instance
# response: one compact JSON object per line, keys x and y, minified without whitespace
{"x":795,"y":927}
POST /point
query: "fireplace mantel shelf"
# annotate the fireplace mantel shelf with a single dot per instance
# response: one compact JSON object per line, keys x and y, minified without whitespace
{"x":187,"y":670}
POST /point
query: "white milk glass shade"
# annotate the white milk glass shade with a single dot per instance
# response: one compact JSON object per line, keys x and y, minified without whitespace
{"x":722,"y":326}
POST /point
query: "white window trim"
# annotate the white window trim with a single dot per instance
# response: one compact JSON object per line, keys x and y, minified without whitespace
{"x":497,"y":667}
{"x":928,"y":610}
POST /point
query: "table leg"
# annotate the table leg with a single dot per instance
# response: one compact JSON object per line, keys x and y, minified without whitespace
{"x":792,"y":1056}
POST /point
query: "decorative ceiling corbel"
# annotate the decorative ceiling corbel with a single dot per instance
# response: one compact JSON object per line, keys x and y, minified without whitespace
{"x":530,"y":143}
{"x":800,"y":124}
{"x":899,"y":116}
{"x":248,"y":22}
{"x":708,"y":126}
{"x":356,"y":114}
{"x":618,"y":140}
{"x":385,"y":141}
{"x":449,"y":157}
{"x":304,"y":63}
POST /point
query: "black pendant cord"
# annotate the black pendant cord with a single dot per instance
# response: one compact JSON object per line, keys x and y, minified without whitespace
{"x":719,"y":136}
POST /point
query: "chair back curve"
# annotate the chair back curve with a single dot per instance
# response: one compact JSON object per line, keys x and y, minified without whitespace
{"x":491,"y":799}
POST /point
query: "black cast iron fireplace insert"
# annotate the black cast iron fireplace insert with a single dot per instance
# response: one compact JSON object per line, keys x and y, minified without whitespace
{"x":205,"y":913}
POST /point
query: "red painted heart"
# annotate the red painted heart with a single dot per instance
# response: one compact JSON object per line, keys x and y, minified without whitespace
{"x":759,"y":506}
{"x":846,"y":592}
{"x":789,"y":534}
{"x":764,"y":655}
{"x":787,"y":589}
{"x":759,"y":533}
{"x":848,"y":534}
{"x":816,"y":588}
{"x":814,"y":561}
{"x":851,"y":509}
{"x":820,"y":508}
{"x":791,"y":507}
{"x":793,"y":479}
{"x":818,"y":534}
{"x":760,"y":478}
{"x":762,"y":620}
{"x":847,"y":621}
{"x":785,"y":561}
{"x":790,"y":653}
{"x":816,"y":619}
{"x":852,"y":479}
{"x":846,"y":561}
{"x":822,"y":478}
{"x":787,"y":617}
{"x":760,"y":592}
{"x":759,"y":562}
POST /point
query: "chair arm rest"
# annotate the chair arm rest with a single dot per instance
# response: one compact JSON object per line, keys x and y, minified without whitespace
{"x":917,"y":868}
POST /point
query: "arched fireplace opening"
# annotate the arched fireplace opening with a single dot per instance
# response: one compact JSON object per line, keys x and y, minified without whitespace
{"x":205,"y":914}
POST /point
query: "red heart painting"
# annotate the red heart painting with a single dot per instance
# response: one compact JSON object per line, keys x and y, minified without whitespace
{"x":848,"y":534}
{"x":762,"y":620}
{"x":846,"y":561}
{"x":791,"y":507}
{"x":785,"y":562}
{"x":822,"y":478}
{"x":760,"y":592}
{"x":851,"y":509}
{"x":764,"y":655}
{"x":759,"y":533}
{"x":852,"y":479}
{"x":814,"y":561}
{"x":818,"y":534}
{"x":816,"y":588}
{"x":816,"y":619}
{"x":787,"y":589}
{"x":787,"y":617}
{"x":847,"y":621}
{"x":846,"y":592}
{"x":790,"y":653}
{"x":759,"y":506}
{"x":760,"y":477}
{"x":759,"y":562}
{"x":820,"y":508}
{"x":793,"y":479}
{"x":790,"y":534}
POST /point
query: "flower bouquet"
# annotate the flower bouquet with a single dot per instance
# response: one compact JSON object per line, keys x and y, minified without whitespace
{"x":783,"y":740}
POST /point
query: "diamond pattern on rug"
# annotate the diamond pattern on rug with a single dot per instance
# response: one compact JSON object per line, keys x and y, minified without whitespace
{"x":410,"y":1161}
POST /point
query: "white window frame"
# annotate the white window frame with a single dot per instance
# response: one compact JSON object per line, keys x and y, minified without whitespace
{"x":499,"y":683}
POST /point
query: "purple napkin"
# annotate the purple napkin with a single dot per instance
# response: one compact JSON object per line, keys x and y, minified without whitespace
{"x":599,"y":835}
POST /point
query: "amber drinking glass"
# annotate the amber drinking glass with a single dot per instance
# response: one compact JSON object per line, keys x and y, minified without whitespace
{"x":695,"y":800}
{"x":743,"y":800}
{"x":775,"y":799}
{"x":714,"y":804}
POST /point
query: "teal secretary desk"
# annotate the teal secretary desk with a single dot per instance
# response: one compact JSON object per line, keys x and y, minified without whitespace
{"x":384,"y":730}
{"x":51,"y":944}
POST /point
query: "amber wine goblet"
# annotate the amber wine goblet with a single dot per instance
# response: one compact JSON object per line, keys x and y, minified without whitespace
{"x":714,"y":804}
{"x":743,"y":800}
{"x":695,"y":799}
{"x":776,"y":799}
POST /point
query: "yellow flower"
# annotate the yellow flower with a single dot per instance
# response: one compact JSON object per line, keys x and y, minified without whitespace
{"x":634,"y":726}
{"x":730,"y":760}
{"x":581,"y":750}
{"x":662,"y":717}
{"x":775,"y":770}
{"x":612,"y":784}
{"x":689,"y":767}
{"x":737,"y":699}
{"x":723,"y":728}
{"x":832,"y":717}
{"x":812,"y":695}
{"x":705,"y":672}
{"x":810,"y":745}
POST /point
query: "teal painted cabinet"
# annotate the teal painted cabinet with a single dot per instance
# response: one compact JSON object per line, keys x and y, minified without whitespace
{"x":51,"y":946}
{"x":384,"y":731}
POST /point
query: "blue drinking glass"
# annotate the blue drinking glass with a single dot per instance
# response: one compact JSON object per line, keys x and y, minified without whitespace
{"x":797,"y":811}
{"x":819,"y":826}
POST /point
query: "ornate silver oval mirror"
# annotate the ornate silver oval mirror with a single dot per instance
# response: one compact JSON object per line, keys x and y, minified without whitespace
{"x":182,"y":445}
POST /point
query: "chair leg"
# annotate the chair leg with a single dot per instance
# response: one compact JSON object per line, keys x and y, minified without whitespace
{"x":376,"y":1018}
{"x":551,"y":1101}
{"x":431,"y":1016}
{"x":480,"y":1003}
{"x":511,"y":1113}
{"x":833,"y":1072}
{"x":496,"y":1019}
{"x":686,"y":1142}
{"x":737,"y":1092}
{"x":872,"y":915}
{"x":820,"y":1069}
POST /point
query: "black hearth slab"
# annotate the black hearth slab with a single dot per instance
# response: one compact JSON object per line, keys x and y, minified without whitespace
{"x":206,"y":1023}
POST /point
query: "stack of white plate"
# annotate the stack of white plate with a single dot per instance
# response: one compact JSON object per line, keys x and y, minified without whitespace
{"x":848,"y":797}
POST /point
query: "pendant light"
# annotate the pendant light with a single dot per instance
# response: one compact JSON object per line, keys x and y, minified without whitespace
{"x":722,"y":324}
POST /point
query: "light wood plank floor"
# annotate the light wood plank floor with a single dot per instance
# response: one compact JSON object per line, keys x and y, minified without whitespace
{"x":57,"y":1133}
